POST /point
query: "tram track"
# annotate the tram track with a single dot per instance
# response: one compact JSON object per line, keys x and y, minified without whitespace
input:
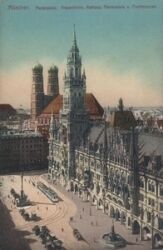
{"x":55,"y":217}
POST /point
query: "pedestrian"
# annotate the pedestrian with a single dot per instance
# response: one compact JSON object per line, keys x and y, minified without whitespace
{"x":83,"y":209}
{"x":136,"y":239}
{"x":62,"y":230}
{"x":71,"y":219}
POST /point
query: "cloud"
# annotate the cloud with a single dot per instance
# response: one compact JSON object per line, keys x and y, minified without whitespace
{"x":107,"y":85}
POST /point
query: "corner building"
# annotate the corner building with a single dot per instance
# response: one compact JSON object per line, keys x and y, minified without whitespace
{"x":104,"y":164}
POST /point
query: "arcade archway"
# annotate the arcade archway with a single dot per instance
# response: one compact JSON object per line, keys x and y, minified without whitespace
{"x":146,"y":233}
{"x":157,"y":241}
{"x":76,"y":188}
{"x":94,"y":200}
{"x":71,"y":186}
{"x":100,"y":204}
{"x":117,"y":214}
{"x":135,"y":227}
{"x":123,"y":218}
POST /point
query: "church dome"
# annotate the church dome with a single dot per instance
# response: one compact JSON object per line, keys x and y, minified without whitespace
{"x":53,"y":68}
{"x":38,"y":67}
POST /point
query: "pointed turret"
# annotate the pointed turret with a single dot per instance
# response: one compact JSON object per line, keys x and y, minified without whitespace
{"x":121,"y":106}
{"x":74,"y":60}
{"x":74,"y":35}
{"x":134,"y":172}
{"x":74,"y":80}
{"x":83,"y":75}
{"x":53,"y":127}
{"x":105,"y":155}
{"x":74,"y":45}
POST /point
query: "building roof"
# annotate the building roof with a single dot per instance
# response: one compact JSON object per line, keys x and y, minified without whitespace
{"x":93,"y":107}
{"x":152,"y":144}
{"x":160,"y":123}
{"x":97,"y":134}
{"x":25,"y":134}
{"x":6,"y":108}
{"x":54,"y":106}
{"x":123,"y":119}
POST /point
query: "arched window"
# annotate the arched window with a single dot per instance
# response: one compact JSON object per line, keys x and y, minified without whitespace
{"x":151,"y":187}
{"x":161,"y":190}
{"x":141,"y":182}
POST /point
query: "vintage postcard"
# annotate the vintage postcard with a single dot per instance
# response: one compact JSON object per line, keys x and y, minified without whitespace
{"x":81,"y":124}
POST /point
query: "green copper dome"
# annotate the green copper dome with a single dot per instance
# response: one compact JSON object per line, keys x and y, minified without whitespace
{"x":38,"y":67}
{"x":53,"y":68}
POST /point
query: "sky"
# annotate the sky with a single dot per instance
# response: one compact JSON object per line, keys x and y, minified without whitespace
{"x":120,"y":41}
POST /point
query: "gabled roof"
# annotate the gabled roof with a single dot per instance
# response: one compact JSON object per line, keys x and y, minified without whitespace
{"x":93,"y":107}
{"x":54,"y":106}
{"x":152,"y":144}
{"x":123,"y":119}
{"x":6,"y":108}
{"x":160,"y":123}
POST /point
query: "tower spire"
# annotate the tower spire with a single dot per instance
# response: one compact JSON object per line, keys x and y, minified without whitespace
{"x":74,"y":35}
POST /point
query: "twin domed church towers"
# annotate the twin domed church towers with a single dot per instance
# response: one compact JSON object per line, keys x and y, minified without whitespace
{"x":38,"y":99}
{"x":74,"y":92}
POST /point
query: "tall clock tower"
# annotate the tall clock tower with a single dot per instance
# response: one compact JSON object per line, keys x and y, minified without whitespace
{"x":73,"y":115}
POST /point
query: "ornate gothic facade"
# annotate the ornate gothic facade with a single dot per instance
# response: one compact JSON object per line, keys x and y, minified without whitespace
{"x":106,"y":165}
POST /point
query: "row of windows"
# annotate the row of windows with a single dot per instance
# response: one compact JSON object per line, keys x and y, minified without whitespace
{"x":151,"y":187}
{"x":44,"y":121}
{"x":151,"y":202}
{"x":161,"y":190}
{"x":161,"y":206}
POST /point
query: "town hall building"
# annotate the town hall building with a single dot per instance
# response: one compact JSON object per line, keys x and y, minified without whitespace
{"x":114,"y":166}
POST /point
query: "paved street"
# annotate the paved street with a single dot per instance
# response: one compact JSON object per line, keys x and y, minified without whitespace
{"x":54,"y":216}
{"x":90,"y":222}
{"x":93,"y":226}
